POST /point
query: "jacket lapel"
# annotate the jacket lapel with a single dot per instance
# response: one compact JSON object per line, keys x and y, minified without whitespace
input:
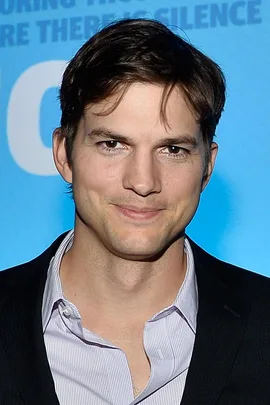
{"x":21,"y":333}
{"x":221,"y":320}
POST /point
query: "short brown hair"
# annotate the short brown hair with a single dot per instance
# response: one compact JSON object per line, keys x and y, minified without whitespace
{"x":140,"y":50}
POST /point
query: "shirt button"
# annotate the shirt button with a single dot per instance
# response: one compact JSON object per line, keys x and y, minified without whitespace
{"x":66,"y":312}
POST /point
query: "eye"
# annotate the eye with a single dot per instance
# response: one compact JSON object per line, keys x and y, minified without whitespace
{"x":172,"y":149}
{"x":111,"y":146}
{"x":174,"y":152}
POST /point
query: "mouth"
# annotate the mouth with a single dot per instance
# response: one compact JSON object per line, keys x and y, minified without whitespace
{"x":138,"y":213}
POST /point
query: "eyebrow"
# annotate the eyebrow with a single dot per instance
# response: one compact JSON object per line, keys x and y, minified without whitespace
{"x":105,"y":133}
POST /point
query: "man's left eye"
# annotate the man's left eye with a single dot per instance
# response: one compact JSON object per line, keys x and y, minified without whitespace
{"x":176,"y":152}
{"x":111,"y":144}
{"x":173,"y":149}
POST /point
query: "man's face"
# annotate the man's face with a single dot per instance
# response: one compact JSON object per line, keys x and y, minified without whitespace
{"x":136,"y":181}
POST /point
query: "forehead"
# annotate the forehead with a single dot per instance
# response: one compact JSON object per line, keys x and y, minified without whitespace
{"x":140,"y":111}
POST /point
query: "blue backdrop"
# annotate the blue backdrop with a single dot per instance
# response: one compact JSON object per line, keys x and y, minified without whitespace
{"x":38,"y":37}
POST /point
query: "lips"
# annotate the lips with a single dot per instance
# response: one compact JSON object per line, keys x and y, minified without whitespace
{"x":139,"y":213}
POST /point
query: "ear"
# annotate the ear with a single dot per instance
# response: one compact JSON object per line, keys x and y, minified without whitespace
{"x":60,"y":155}
{"x":210,"y":165}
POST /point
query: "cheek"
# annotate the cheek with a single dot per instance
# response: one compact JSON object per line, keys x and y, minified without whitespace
{"x":184,"y":184}
{"x":93,"y":178}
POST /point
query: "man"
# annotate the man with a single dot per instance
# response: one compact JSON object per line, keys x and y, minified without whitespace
{"x":126,"y":309}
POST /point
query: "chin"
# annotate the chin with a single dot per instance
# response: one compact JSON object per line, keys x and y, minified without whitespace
{"x":139,"y":257}
{"x":138,"y":252}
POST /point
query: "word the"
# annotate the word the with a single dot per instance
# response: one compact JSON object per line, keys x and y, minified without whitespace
{"x":70,"y":29}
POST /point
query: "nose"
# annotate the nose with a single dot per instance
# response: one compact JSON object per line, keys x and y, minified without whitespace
{"x":142,"y":175}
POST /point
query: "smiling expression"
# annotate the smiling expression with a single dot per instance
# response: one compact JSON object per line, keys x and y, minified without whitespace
{"x":136,"y":180}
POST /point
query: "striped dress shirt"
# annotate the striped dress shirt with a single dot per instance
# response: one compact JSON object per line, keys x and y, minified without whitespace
{"x":87,"y":369}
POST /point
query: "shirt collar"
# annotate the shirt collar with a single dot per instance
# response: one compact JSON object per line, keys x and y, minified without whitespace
{"x":186,"y":301}
{"x":187,"y":297}
{"x":53,"y":292}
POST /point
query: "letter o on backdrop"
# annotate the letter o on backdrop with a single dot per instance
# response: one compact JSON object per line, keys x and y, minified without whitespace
{"x":23,"y":117}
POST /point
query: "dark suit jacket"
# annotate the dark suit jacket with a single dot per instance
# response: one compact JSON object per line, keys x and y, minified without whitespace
{"x":230,"y":364}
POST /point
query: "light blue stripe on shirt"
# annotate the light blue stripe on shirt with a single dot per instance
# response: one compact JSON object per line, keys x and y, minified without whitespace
{"x":89,"y":370}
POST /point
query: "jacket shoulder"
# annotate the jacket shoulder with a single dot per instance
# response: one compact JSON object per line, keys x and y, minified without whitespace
{"x":229,"y":274}
{"x":20,"y":275}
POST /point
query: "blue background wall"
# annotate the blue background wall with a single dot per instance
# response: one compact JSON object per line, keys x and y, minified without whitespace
{"x":38,"y":37}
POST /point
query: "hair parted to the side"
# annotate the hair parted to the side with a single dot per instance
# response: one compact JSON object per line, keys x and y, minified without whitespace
{"x":140,"y":50}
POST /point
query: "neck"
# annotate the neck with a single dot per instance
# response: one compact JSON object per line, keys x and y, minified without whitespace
{"x":98,"y":282}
